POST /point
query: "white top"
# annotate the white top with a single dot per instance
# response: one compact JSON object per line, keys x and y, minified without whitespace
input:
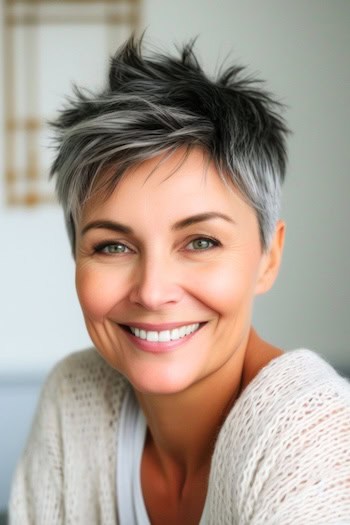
{"x":282,"y":456}
{"x":130,"y":443}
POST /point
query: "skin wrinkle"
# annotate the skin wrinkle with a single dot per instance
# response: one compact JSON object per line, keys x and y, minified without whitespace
{"x":161,"y":280}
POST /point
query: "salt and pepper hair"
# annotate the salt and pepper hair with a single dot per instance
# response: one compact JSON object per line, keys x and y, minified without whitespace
{"x":158,"y":104}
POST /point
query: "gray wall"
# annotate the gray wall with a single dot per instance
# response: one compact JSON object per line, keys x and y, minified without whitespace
{"x":302,"y":49}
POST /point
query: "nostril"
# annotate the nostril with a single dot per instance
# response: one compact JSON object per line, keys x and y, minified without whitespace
{"x":154,"y":294}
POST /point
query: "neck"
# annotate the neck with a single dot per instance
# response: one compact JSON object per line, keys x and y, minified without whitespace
{"x":183,"y":427}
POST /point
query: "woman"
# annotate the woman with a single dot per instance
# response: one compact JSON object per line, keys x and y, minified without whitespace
{"x":170,"y":184}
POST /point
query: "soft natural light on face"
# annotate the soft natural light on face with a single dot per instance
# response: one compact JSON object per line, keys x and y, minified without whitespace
{"x":181,"y":249}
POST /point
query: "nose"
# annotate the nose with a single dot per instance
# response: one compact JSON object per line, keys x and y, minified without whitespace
{"x":156,"y":283}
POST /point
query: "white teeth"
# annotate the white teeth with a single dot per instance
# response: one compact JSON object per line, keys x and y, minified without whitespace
{"x":152,"y":336}
{"x":188,"y":329}
{"x":182,"y":331}
{"x":165,"y":335}
{"x":175,"y":334}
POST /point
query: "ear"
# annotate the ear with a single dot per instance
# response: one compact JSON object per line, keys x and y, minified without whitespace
{"x":271,"y":260}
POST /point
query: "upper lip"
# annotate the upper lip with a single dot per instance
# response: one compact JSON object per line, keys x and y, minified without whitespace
{"x":159,"y":327}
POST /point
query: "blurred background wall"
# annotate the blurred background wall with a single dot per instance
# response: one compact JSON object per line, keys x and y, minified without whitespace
{"x":302,"y":49}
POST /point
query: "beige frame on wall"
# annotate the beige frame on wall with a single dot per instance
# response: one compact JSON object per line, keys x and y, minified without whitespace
{"x":26,"y":184}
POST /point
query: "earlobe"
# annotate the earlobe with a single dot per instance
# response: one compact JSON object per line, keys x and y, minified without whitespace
{"x":271,"y":260}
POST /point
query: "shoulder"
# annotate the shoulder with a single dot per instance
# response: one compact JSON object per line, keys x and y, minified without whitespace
{"x":287,"y":439}
{"x":300,"y":368}
{"x":82,"y":362}
{"x":73,"y":437}
{"x":301,"y":394}
{"x":82,"y":371}
{"x":81,"y":392}
{"x":296,"y":389}
{"x":300,"y":374}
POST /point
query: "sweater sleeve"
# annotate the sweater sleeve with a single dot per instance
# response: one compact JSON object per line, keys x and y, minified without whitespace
{"x":66,"y":474}
{"x":283,"y":455}
{"x":306,"y":479}
{"x":36,"y":496}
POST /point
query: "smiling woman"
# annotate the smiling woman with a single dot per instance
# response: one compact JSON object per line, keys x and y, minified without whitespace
{"x":198,"y":263}
{"x":170,"y":183}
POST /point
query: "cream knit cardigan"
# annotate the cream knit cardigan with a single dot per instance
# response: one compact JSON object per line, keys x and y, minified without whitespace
{"x":282,"y":456}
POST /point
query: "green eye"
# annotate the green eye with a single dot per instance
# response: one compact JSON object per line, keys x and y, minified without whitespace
{"x":115,"y":248}
{"x":112,"y":248}
{"x":202,"y":243}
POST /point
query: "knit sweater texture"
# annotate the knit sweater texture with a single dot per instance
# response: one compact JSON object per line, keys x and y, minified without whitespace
{"x":282,"y":456}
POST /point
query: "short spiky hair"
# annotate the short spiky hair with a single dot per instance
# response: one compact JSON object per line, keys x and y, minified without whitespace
{"x":158,"y":104}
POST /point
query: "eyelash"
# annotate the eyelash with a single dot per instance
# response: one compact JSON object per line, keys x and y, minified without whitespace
{"x":214,"y":243}
{"x":100,"y":247}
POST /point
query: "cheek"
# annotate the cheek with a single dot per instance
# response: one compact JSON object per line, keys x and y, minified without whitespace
{"x":98,"y":291}
{"x":226,"y":287}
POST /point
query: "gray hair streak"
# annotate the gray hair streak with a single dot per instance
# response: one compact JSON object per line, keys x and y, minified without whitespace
{"x":154,"y":105}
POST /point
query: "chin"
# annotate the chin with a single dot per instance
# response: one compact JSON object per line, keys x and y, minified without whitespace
{"x":156,"y":383}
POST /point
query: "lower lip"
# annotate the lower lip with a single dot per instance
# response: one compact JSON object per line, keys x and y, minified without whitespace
{"x":157,"y":347}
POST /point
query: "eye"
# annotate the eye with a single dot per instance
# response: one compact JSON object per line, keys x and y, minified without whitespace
{"x":202,"y":243}
{"x":111,"y":248}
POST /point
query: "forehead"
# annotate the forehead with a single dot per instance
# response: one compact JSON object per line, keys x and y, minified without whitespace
{"x":187,"y":167}
{"x":170,"y":186}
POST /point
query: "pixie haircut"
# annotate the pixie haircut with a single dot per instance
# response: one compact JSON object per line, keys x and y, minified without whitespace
{"x":157,"y":104}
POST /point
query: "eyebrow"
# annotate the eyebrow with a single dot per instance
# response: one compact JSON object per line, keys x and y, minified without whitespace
{"x":107,"y":225}
{"x":179,"y":225}
{"x":201,"y":217}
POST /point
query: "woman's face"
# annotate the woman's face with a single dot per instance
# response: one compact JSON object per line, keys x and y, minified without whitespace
{"x":166,"y":271}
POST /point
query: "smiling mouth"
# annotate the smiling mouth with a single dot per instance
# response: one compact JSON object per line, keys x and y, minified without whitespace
{"x":163,"y":336}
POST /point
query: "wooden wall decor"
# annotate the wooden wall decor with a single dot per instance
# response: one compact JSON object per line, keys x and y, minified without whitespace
{"x":26,"y":171}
